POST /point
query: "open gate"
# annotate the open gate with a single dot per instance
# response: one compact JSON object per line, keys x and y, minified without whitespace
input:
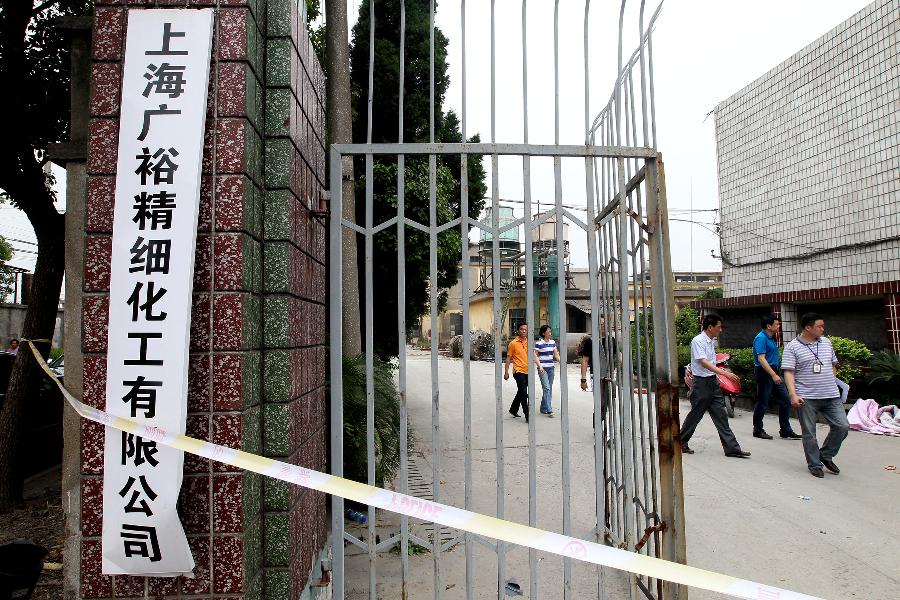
{"x":614,"y":453}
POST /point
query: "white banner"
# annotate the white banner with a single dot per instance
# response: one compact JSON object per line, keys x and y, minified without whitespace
{"x":164,"y":95}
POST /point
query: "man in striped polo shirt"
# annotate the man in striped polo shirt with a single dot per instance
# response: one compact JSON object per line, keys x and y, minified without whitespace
{"x":810,"y":372}
{"x":545,"y":352}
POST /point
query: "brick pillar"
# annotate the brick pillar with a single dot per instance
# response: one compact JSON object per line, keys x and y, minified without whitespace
{"x":258,"y":309}
{"x":294,"y":312}
{"x":892,"y":320}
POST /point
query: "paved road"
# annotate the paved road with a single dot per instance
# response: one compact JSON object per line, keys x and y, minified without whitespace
{"x":744,"y":517}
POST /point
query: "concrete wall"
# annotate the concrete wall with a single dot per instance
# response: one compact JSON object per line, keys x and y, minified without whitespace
{"x":12,"y":320}
{"x":809,"y":159}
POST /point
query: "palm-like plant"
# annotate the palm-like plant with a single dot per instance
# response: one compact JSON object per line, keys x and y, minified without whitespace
{"x":387,"y":420}
{"x":885,"y":367}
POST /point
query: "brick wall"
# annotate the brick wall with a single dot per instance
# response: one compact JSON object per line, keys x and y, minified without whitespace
{"x":863,"y":321}
{"x":809,"y":159}
{"x":257,"y":364}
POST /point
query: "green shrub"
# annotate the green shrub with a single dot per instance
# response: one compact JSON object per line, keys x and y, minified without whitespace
{"x":712,"y":293}
{"x":851,"y":356}
{"x":684,"y":356}
{"x":387,"y":420}
{"x":55,"y":353}
{"x":741,"y":362}
{"x":687,"y":325}
{"x":641,"y":325}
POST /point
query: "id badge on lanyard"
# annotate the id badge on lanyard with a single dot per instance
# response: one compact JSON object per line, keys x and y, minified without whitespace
{"x":817,"y":365}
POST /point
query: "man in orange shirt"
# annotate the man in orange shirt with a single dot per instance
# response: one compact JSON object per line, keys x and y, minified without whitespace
{"x":517,"y":354}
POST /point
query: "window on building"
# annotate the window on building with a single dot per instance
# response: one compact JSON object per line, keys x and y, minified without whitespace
{"x":516,"y":316}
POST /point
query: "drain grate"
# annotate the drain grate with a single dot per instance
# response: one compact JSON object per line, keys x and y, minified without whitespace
{"x":422,"y":488}
{"x":418,"y":487}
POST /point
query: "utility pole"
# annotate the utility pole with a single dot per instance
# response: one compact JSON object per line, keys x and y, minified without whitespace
{"x":73,"y":155}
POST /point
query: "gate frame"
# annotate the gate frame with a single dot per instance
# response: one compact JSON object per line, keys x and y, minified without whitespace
{"x":665,"y":371}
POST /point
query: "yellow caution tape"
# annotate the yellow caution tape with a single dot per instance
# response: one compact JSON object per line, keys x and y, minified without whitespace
{"x":442,"y":514}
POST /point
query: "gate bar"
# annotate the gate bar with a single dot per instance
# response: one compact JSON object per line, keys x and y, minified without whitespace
{"x":569,"y":150}
{"x":401,"y":314}
{"x":563,"y":318}
{"x":530,"y":308}
{"x":337,"y":383}
{"x":467,"y":335}
{"x":498,"y":324}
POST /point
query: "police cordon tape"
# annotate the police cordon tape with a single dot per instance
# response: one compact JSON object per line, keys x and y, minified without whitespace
{"x":442,"y":514}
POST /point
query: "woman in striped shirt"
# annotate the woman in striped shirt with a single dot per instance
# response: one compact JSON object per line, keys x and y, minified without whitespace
{"x":545,"y":353}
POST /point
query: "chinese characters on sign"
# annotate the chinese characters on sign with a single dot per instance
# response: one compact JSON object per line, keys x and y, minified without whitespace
{"x":164,"y":96}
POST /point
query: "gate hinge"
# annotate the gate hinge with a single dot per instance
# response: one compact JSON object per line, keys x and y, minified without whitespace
{"x":322,"y":211}
{"x":647,"y":533}
{"x":637,"y":218}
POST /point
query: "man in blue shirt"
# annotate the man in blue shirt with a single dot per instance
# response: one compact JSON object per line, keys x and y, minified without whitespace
{"x":767,"y":362}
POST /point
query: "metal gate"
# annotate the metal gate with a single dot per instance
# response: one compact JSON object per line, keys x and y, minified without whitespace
{"x":632,"y":474}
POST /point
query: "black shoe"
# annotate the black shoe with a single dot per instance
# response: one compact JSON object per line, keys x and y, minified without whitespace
{"x":829,"y":464}
{"x":791,"y":436}
{"x":738,"y":454}
{"x":816,"y":472}
{"x":515,"y":415}
{"x":762,"y":435}
{"x":685,"y":449}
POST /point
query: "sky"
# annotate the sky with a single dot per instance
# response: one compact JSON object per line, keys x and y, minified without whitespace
{"x":704,"y":52}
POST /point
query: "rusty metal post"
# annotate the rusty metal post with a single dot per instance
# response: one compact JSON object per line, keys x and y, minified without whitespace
{"x":671,"y":490}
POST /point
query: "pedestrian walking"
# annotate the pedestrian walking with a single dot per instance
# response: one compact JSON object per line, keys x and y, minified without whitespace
{"x":810,"y":371}
{"x":545,"y":353}
{"x":706,"y":396}
{"x":603,"y":374}
{"x":767,"y":368}
{"x":517,"y":355}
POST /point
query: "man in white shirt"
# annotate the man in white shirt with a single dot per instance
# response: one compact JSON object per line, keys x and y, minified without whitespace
{"x":706,"y":395}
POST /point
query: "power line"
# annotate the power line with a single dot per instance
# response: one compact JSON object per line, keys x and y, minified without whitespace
{"x":721,"y":227}
{"x":20,"y":241}
{"x":812,"y":251}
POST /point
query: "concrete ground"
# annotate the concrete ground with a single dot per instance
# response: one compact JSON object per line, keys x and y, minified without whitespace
{"x":744,"y":517}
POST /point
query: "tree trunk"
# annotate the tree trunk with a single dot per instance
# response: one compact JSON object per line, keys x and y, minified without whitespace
{"x":26,"y":377}
{"x":22,"y":178}
{"x":340,"y":126}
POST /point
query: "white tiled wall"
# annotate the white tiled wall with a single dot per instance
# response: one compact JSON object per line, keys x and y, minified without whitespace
{"x":809,"y":160}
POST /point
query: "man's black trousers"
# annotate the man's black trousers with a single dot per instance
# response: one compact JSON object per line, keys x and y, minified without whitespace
{"x":521,"y":394}
{"x":706,"y":396}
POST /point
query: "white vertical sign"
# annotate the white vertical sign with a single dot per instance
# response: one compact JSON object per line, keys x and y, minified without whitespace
{"x":164,"y":95}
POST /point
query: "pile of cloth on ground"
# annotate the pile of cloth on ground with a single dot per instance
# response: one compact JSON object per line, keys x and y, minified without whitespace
{"x":868,"y":417}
